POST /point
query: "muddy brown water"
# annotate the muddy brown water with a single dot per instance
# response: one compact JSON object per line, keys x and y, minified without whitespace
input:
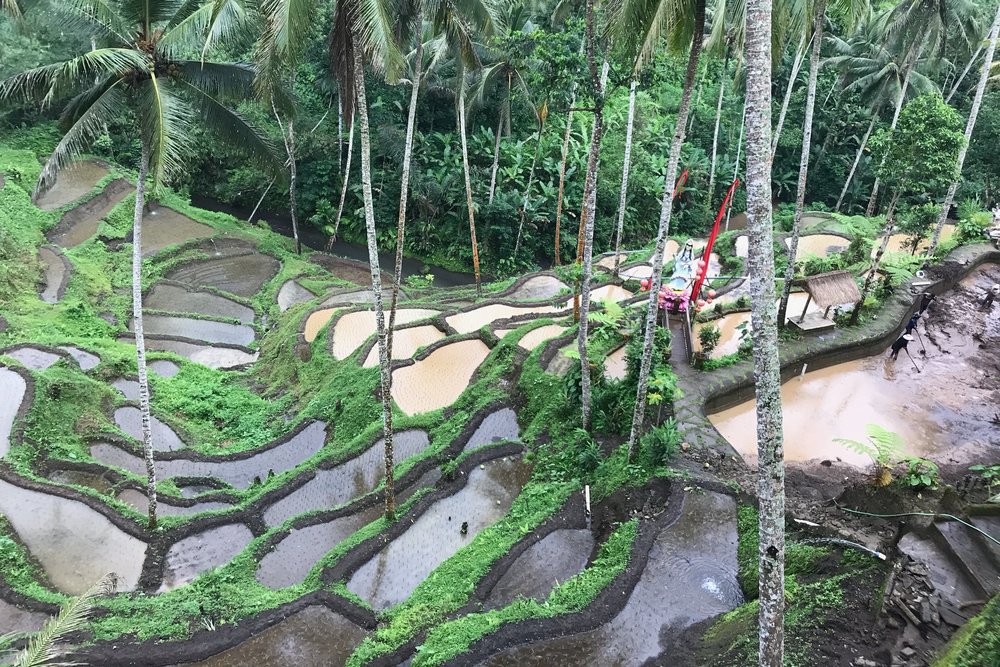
{"x":53,"y":272}
{"x":392,"y":575}
{"x":351,"y":479}
{"x":163,"y":227}
{"x":206,"y":355}
{"x":98,"y":483}
{"x":86,"y":360}
{"x":640,"y":272}
{"x":34,"y":358}
{"x":475,"y":319}
{"x":608,"y":262}
{"x":203,"y":552}
{"x":729,"y":325}
{"x":82,"y":222}
{"x":313,"y":637}
{"x":616,"y":364}
{"x":75,"y":544}
{"x":820,"y":245}
{"x":557,"y":557}
{"x":438,"y":379}
{"x":174,"y":299}
{"x":129,"y":420}
{"x":73,"y":183}
{"x":899,"y":242}
{"x":535,"y":337}
{"x":12,"y":388}
{"x":690,"y":576}
{"x":208,"y":331}
{"x":406,"y":342}
{"x":539,"y":288}
{"x":353,"y":329}
{"x":292,"y":293}
{"x":242,"y":275}
{"x":238,"y":472}
{"x":497,"y":426}
{"x":315,"y":323}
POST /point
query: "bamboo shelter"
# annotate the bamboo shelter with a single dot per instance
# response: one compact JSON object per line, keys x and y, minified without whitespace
{"x":826,"y":290}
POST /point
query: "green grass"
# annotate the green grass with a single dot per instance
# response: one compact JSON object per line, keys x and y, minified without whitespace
{"x":977,"y":643}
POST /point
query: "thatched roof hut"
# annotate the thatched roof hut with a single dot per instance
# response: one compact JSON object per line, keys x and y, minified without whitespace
{"x":831,"y":289}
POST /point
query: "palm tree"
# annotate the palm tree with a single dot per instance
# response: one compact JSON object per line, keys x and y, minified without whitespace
{"x":642,"y":26}
{"x":764,"y":333}
{"x":970,"y":125}
{"x":626,"y":166}
{"x":562,"y":165}
{"x":797,"y":60}
{"x":288,"y":139}
{"x":344,"y":182}
{"x":853,"y":11}
{"x":143,"y":70}
{"x":11,"y":7}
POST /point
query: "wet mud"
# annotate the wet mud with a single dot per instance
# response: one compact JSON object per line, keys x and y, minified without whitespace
{"x":437,"y":380}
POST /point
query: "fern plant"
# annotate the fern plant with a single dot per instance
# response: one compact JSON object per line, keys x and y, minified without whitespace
{"x":884,"y":448}
{"x":45,"y":648}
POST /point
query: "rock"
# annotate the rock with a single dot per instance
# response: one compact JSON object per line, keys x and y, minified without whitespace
{"x":908,"y":652}
{"x":864,"y":662}
{"x":685,"y":446}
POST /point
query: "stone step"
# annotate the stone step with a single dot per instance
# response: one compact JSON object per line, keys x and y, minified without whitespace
{"x":969,"y":554}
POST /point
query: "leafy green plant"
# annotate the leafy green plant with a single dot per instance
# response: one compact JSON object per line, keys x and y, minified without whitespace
{"x":990,"y":474}
{"x":883,"y":448}
{"x":921,"y":474}
{"x":422,"y":281}
{"x":709,"y":337}
{"x":660,"y":443}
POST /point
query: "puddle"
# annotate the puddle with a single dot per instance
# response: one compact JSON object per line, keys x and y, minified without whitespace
{"x":315,"y":323}
{"x":33,"y":358}
{"x":333,"y":487}
{"x":163,"y":227}
{"x":406,"y":342}
{"x":558,"y":556}
{"x":174,"y":299}
{"x":535,"y":337}
{"x":240,"y":473}
{"x":690,"y":576}
{"x":900,"y":243}
{"x":138,"y":501}
{"x":499,"y":425}
{"x":439,"y":379}
{"x":81,"y":223}
{"x":129,"y":420}
{"x":820,"y":245}
{"x":164,"y":368}
{"x":203,"y":552}
{"x":54,"y":272}
{"x":354,"y":329}
{"x":75,"y":544}
{"x":203,"y":330}
{"x":295,"y":556}
{"x":292,"y":293}
{"x":390,"y":577}
{"x":12,"y":388}
{"x":85,"y":359}
{"x":13,"y":619}
{"x":206,"y":355}
{"x":313,"y":637}
{"x":90,"y":480}
{"x":73,"y":182}
{"x":538,"y":288}
{"x":641,"y":272}
{"x":616,"y":365}
{"x":242,"y":275}
{"x":606,"y":293}
{"x":476,"y":319}
{"x":127,"y":388}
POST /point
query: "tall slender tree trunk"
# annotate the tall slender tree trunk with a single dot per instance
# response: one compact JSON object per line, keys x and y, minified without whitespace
{"x":890,"y":222}
{"x":140,"y":336}
{"x":970,"y":125}
{"x":715,"y":133}
{"x":496,"y":158}
{"x":253,"y":213}
{"x":376,"y":271}
{"x":911,"y":60}
{"x":736,"y":165}
{"x":666,"y":209}
{"x":593,"y":164}
{"x":340,"y":132}
{"x":800,"y":54}
{"x":857,"y":160}
{"x":527,"y":190}
{"x":764,"y":334}
{"x":288,"y":137}
{"x":697,"y":101}
{"x":800,"y":192}
{"x":562,"y":165}
{"x":344,"y":184}
{"x":468,"y":183}
{"x":404,"y":186}
{"x":626,"y":167}
{"x":968,"y":66}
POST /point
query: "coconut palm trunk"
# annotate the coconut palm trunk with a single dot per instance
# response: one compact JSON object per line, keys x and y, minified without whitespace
{"x":910,"y":62}
{"x":800,"y":55}
{"x":404,"y":191}
{"x":626,"y":166}
{"x":496,"y":159}
{"x":140,"y":337}
{"x":666,"y":208}
{"x":593,"y":164}
{"x":715,"y":133}
{"x":736,"y":165}
{"x":857,"y":160}
{"x":373,"y":263}
{"x":468,"y":182}
{"x":531,"y":180}
{"x":800,"y":191}
{"x":764,"y":334}
{"x":344,"y":184}
{"x":562,"y":165}
{"x":288,"y":137}
{"x":890,"y":222}
{"x":970,"y":125}
{"x":965,"y":72}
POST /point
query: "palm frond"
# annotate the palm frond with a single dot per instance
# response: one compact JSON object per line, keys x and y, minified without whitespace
{"x":101,"y":16}
{"x":374,"y":32}
{"x":43,"y":649}
{"x":66,"y":76}
{"x":165,"y":125}
{"x":858,"y":447}
{"x":285,"y":22}
{"x":889,"y":443}
{"x":213,"y":21}
{"x":11,"y":7}
{"x":148,"y":13}
{"x":102,"y":109}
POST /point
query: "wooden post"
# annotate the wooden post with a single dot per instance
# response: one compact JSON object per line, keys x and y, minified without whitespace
{"x":804,"y":309}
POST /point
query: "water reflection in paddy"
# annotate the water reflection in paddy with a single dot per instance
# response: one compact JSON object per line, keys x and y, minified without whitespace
{"x":547,"y":563}
{"x":73,"y":183}
{"x":12,"y":388}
